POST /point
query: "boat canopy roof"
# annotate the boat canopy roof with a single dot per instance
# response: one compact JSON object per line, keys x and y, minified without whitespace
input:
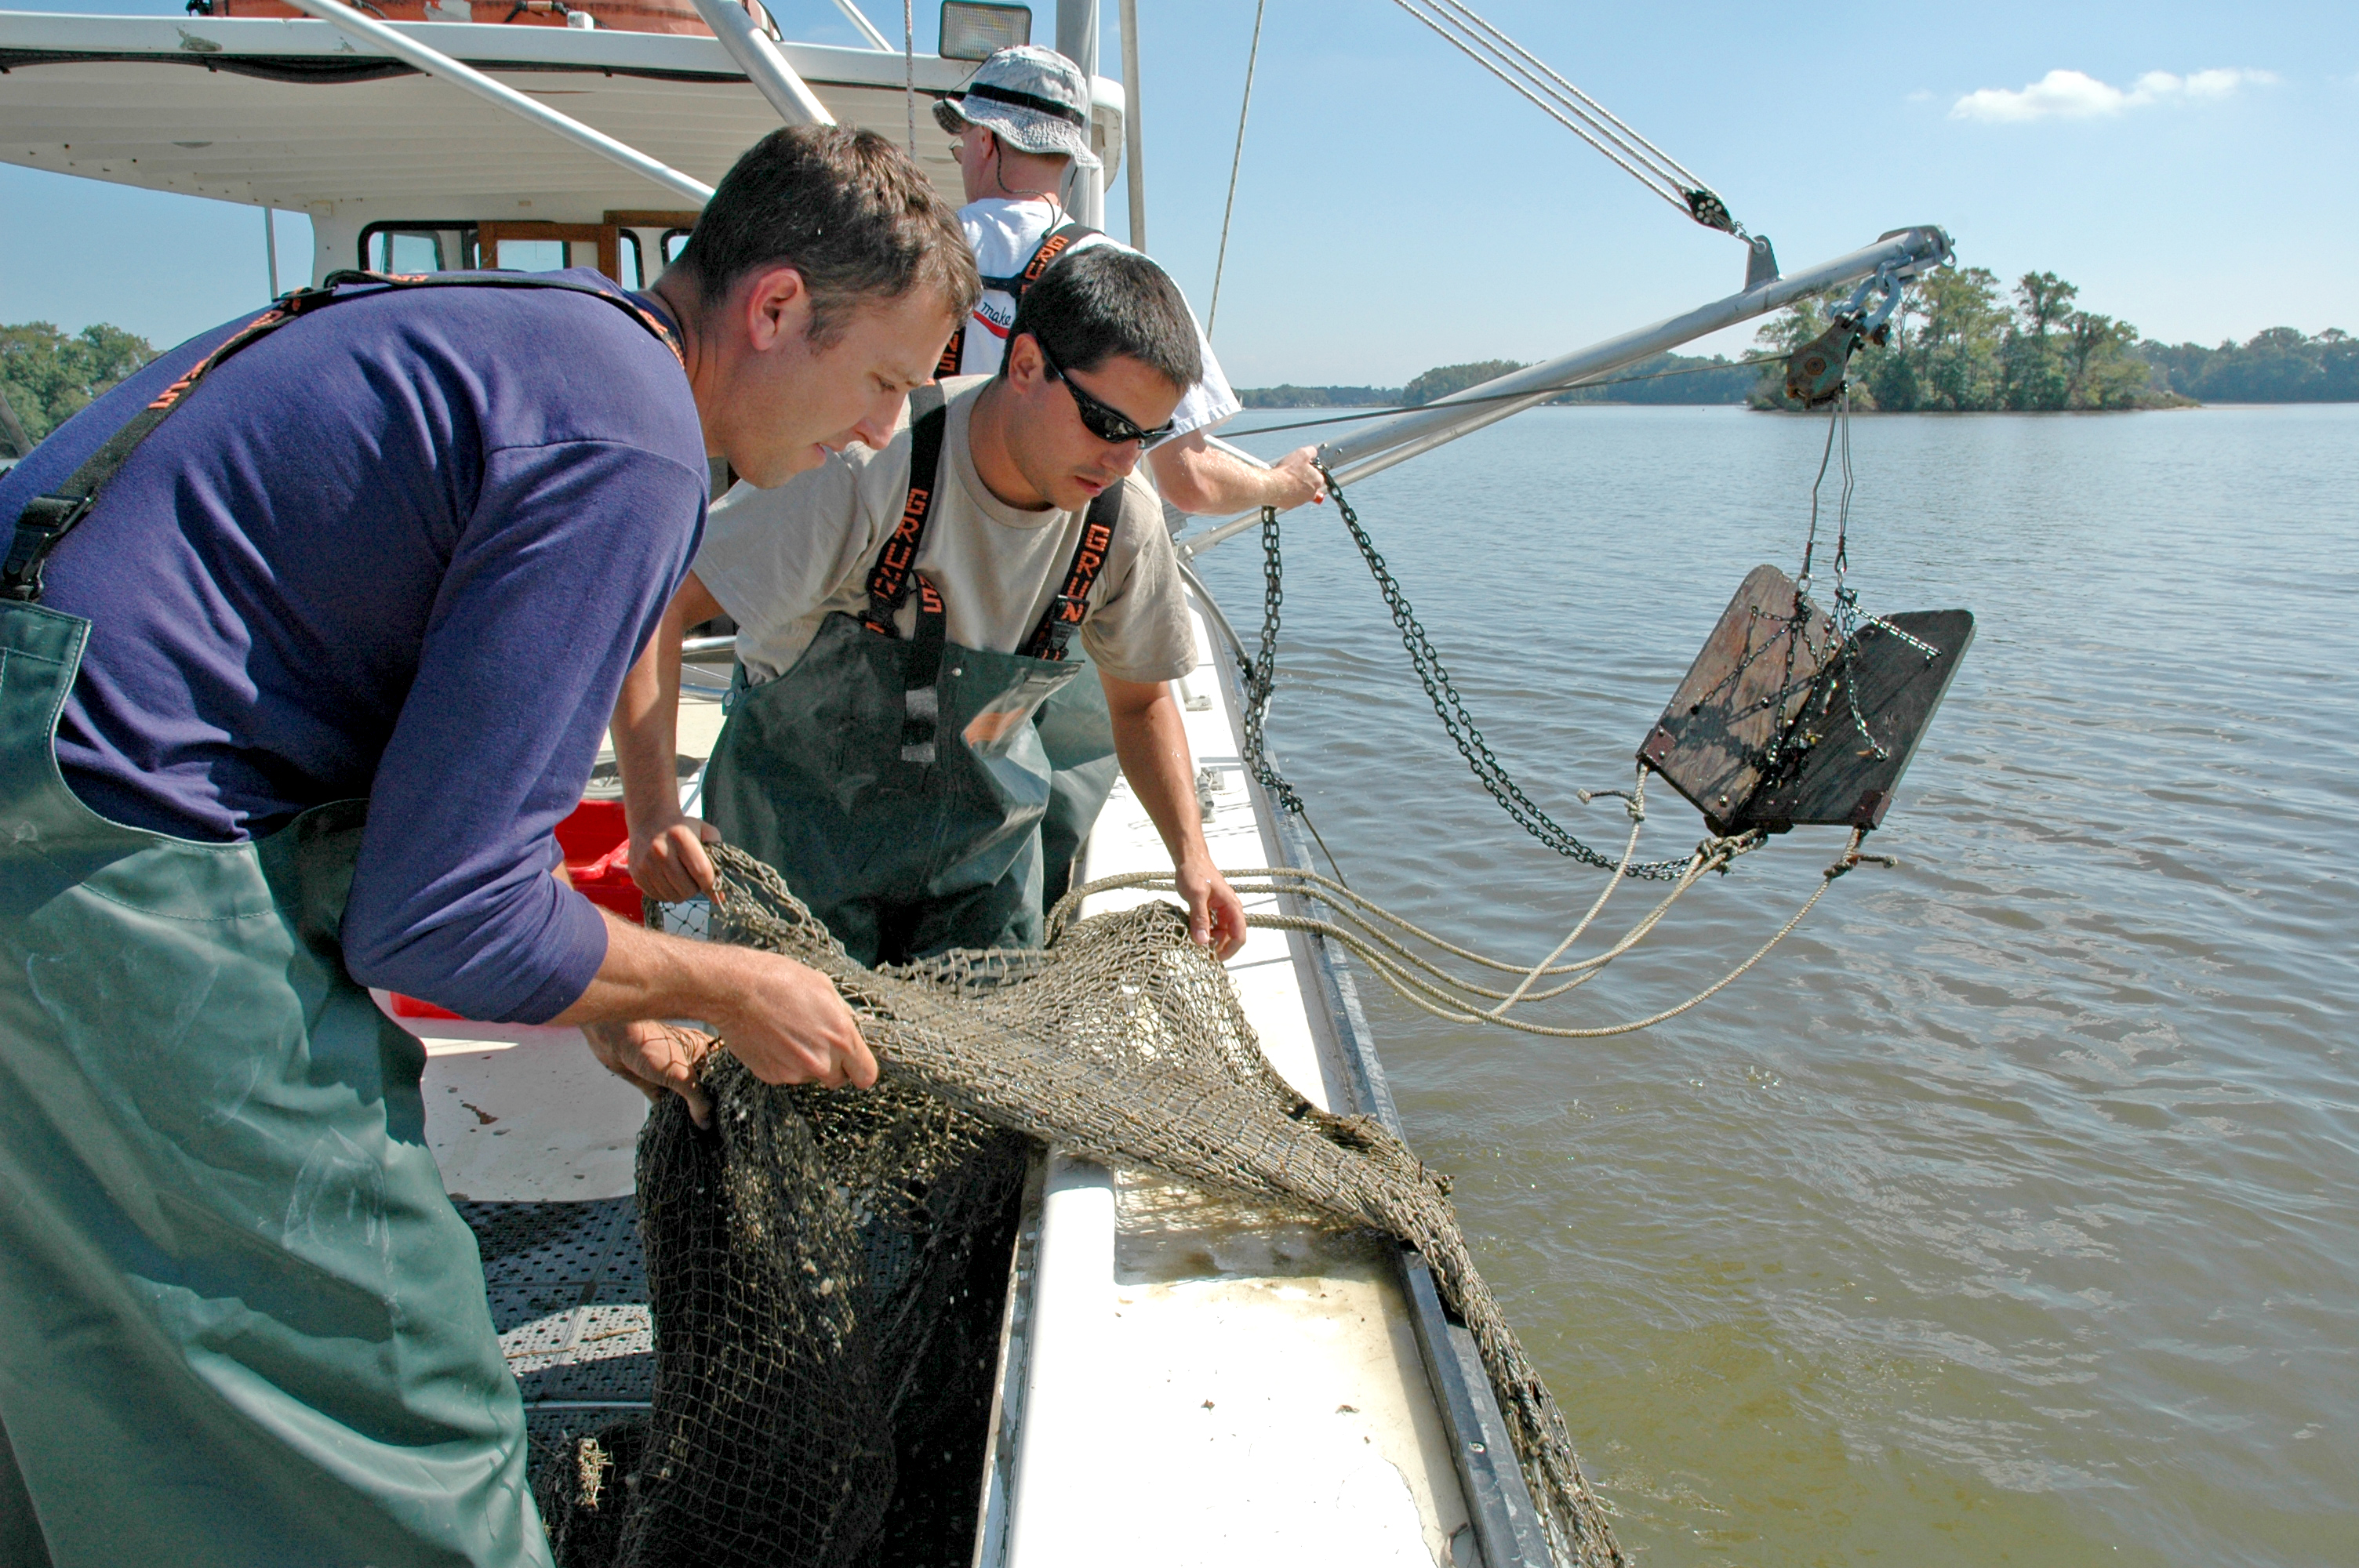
{"x":293,"y":114}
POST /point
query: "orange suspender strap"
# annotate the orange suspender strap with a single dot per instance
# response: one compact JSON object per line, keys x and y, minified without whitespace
{"x":1071,"y":605}
{"x":893,"y":574}
{"x":889,"y":577}
{"x":1054,"y":243}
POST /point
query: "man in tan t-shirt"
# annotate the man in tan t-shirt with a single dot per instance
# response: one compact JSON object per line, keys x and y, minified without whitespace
{"x":906,"y":609}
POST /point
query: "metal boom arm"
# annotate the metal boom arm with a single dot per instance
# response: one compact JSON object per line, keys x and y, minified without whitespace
{"x":1396,"y":440}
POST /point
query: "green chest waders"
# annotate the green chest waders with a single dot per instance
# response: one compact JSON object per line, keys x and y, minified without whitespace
{"x":241,"y":1325}
{"x":1077,"y":733}
{"x":898,"y":784}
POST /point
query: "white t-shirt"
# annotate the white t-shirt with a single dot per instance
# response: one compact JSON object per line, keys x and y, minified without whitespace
{"x":1004,"y":232}
{"x":781,"y":560}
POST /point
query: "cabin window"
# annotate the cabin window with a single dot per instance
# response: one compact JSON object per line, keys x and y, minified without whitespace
{"x":459,"y":244}
{"x":547,"y":247}
{"x":652,"y":242}
{"x":419,"y":245}
{"x":531,"y":255}
{"x":413,"y":253}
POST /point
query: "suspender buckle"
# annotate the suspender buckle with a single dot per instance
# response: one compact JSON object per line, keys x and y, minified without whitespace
{"x":45,"y":520}
{"x":1056,"y":627}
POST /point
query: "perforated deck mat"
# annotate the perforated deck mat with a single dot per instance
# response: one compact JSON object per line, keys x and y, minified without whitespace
{"x":569,"y":1296}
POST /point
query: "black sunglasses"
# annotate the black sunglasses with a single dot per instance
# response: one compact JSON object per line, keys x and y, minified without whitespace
{"x":1105,"y":423}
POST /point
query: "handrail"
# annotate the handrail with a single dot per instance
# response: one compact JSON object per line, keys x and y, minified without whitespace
{"x":868,"y":28}
{"x":764,"y":66}
{"x":1419,"y":430}
{"x":433,"y":62}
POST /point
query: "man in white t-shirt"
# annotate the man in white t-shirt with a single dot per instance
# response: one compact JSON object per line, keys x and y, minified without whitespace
{"x":905,"y":610}
{"x":1023,"y":135}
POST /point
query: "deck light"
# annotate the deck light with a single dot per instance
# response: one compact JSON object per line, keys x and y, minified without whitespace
{"x":976,"y":32}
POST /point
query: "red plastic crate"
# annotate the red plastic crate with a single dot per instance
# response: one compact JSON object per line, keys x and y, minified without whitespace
{"x":597,"y":845}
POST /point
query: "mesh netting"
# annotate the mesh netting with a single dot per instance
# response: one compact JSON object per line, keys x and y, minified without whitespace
{"x":825,"y":1276}
{"x":805,"y":1260}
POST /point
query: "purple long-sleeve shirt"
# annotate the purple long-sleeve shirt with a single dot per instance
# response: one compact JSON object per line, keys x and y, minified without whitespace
{"x":406,"y":548}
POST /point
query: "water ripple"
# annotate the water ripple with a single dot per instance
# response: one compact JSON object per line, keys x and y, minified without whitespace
{"x":2008,"y":1213}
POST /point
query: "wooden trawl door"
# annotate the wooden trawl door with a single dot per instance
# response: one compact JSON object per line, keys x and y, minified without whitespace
{"x":576,"y":238}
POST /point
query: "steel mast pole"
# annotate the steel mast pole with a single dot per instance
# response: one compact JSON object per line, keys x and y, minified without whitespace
{"x":764,"y":66}
{"x":1134,"y":129}
{"x":1077,"y":40}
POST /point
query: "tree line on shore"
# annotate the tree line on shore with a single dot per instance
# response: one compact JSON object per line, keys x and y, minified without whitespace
{"x":1665,"y":378}
{"x":48,"y":376}
{"x":1960,"y":342}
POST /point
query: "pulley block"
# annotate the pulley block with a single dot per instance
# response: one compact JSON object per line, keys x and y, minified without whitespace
{"x":1814,"y":374}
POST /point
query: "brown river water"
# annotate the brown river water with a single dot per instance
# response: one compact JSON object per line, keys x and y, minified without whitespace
{"x":2010,"y":1211}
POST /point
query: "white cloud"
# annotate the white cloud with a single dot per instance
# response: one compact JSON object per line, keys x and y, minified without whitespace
{"x":2076,"y":95}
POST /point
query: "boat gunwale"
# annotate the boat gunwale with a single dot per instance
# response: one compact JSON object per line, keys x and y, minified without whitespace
{"x":1491,"y":1480}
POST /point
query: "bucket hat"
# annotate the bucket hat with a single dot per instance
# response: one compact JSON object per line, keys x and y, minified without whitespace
{"x":1034,"y":99}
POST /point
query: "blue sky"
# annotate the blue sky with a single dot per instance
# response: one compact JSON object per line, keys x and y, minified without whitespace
{"x":2188,"y":166}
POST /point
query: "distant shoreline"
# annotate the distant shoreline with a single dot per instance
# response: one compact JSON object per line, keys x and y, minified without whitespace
{"x":2179,"y":402}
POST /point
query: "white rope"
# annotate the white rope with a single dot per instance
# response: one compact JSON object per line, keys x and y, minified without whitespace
{"x":1359,"y":929}
{"x":1637,"y":821}
{"x":1651,"y":179}
{"x":909,"y":68}
{"x":1236,"y":159}
{"x":1602,"y":1031}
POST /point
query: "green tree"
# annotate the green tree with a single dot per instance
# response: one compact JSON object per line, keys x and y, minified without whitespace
{"x":1443,"y":380}
{"x":2280,"y":365}
{"x":1956,"y":343}
{"x":2101,"y":369}
{"x":1959,"y":325}
{"x":2032,"y":362}
{"x":48,"y":376}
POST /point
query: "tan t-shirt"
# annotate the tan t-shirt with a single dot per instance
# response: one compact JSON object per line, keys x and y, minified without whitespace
{"x":781,"y":560}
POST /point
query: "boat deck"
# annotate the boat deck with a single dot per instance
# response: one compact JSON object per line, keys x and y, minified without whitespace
{"x":1185,"y":1380}
{"x":1204,"y":1382}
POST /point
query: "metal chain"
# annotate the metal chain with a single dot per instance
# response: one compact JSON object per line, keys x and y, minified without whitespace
{"x":1458,"y":723}
{"x":1261,"y":675}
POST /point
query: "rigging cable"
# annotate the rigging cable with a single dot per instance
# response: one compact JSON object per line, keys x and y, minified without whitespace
{"x":909,"y":68}
{"x":1576,"y":111}
{"x":1236,"y":159}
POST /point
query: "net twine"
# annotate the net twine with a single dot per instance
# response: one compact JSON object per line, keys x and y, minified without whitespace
{"x":1121,"y":1042}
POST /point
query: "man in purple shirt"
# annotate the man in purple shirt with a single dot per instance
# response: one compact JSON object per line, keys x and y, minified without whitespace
{"x":327,"y":659}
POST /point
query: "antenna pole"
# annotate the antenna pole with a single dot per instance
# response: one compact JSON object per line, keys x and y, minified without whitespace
{"x":1134,"y":129}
